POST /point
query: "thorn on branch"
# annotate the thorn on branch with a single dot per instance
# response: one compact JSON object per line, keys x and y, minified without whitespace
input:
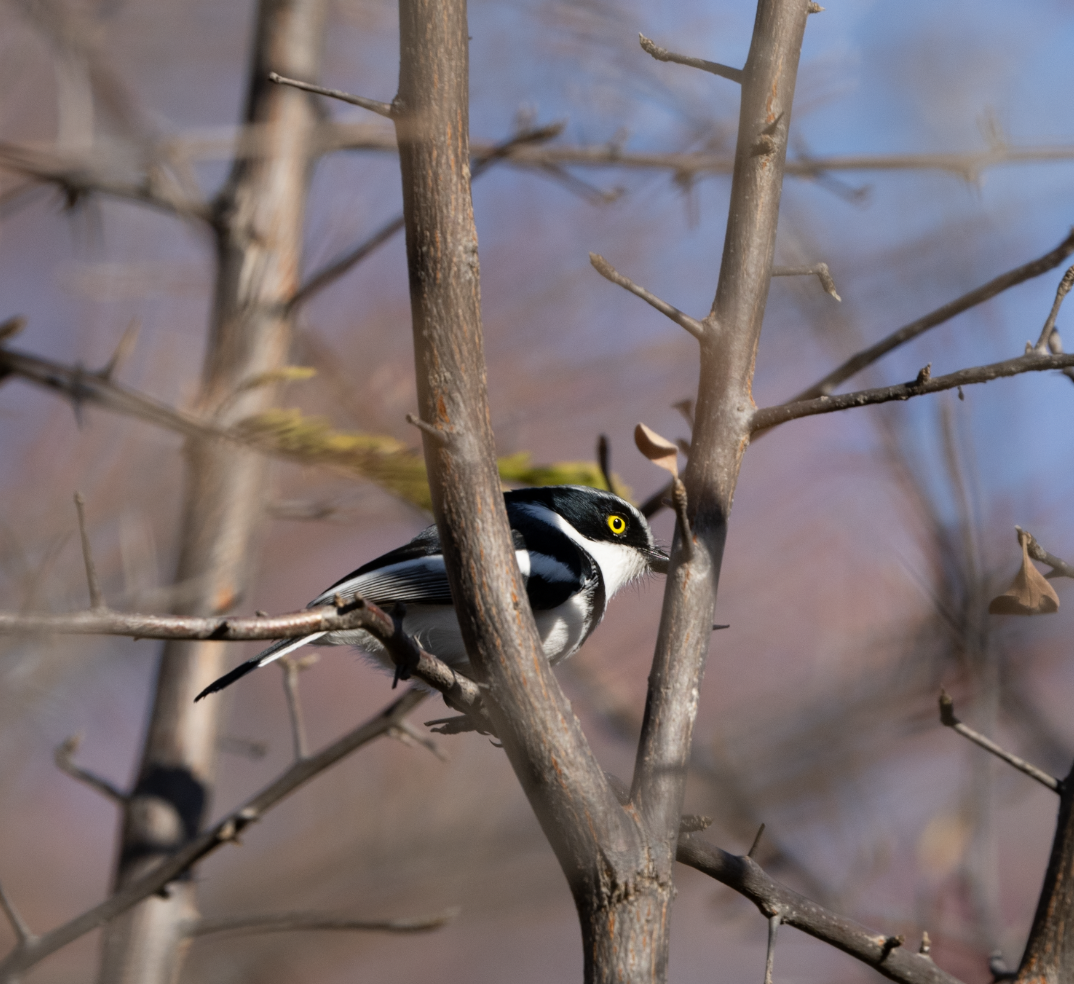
{"x":604,"y":461}
{"x":756,"y":842}
{"x":683,"y":320}
{"x":923,"y":376}
{"x":442,"y":437}
{"x":373,"y":105}
{"x":662,"y":54}
{"x":814,"y":8}
{"x":819,"y":270}
{"x":64,"y":759}
{"x":123,"y":349}
{"x":22,"y":931}
{"x":926,"y":945}
{"x":948,"y":720}
{"x":96,"y":598}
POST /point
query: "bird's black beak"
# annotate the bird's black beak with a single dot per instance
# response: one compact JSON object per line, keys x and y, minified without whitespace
{"x":658,"y":561}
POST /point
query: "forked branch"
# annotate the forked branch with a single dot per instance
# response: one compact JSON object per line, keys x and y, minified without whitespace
{"x":883,"y":953}
{"x":30,"y":951}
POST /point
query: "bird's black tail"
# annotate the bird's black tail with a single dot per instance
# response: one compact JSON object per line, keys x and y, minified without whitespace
{"x":275,"y":651}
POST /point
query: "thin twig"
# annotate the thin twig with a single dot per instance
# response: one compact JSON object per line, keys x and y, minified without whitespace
{"x":373,"y":105}
{"x":604,"y":461}
{"x":409,"y":735}
{"x":223,"y":832}
{"x":291,"y":669}
{"x":770,"y":957}
{"x":948,"y":719}
{"x":855,"y":364}
{"x":23,"y":935}
{"x":662,"y":54}
{"x":282,"y":922}
{"x":1059,"y":567}
{"x":96,"y":598}
{"x":771,"y":416}
{"x":819,"y":270}
{"x":64,"y":759}
{"x":1049,"y":324}
{"x":482,"y":162}
{"x":608,"y":272}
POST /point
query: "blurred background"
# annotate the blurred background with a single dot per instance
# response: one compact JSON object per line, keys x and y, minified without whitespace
{"x":864,"y":546}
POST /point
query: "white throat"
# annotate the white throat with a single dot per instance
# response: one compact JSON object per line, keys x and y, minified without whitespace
{"x":618,"y":563}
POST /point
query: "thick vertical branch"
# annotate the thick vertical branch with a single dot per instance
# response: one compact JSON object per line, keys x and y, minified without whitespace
{"x":721,"y":431}
{"x":259,"y":218}
{"x":1049,"y":953}
{"x":599,"y":844}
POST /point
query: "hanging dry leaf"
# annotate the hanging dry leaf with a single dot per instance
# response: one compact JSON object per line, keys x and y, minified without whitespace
{"x":1029,"y":593}
{"x":660,"y":451}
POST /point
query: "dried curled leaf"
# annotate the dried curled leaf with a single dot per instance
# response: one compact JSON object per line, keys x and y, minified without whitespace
{"x":659,"y":450}
{"x":1029,"y":593}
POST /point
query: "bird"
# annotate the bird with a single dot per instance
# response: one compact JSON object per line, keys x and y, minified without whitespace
{"x":576,"y":546}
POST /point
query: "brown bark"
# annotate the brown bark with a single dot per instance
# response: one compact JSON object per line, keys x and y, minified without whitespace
{"x":258,"y":226}
{"x":618,"y":860}
{"x":1049,"y":953}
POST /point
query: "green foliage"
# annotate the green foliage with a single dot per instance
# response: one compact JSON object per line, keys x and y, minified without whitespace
{"x":389,"y":463}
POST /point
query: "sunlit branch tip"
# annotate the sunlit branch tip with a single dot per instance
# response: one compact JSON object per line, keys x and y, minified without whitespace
{"x":819,"y":270}
{"x":662,"y":54}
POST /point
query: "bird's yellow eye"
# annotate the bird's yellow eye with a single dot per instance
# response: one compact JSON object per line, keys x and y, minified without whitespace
{"x":616,"y":524}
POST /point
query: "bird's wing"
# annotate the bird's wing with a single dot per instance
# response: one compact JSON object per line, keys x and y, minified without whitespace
{"x":411,"y":573}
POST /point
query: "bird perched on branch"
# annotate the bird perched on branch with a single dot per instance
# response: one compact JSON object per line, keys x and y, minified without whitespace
{"x":575,"y":546}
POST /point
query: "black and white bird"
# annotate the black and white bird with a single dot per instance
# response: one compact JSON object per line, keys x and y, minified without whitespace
{"x":575,"y":546}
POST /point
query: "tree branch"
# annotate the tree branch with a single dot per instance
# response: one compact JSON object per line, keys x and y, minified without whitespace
{"x":287,"y":922}
{"x":373,"y":105}
{"x":608,"y":272}
{"x":227,"y":830}
{"x":772,"y":416}
{"x":662,"y":54}
{"x":1059,"y":568}
{"x":23,"y":935}
{"x":884,"y":954}
{"x":995,"y":286}
{"x":64,"y":759}
{"x":482,"y":162}
{"x":1042,"y":347}
{"x":948,"y":720}
{"x":819,"y":270}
